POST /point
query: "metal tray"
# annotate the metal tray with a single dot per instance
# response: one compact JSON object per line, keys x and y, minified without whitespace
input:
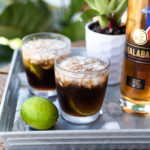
{"x":114,"y":129}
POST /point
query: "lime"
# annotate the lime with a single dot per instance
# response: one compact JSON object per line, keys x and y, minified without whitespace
{"x":39,"y":113}
{"x":82,"y":109}
{"x":36,"y":69}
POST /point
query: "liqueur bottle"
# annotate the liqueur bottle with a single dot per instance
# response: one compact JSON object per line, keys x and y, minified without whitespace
{"x":135,"y":86}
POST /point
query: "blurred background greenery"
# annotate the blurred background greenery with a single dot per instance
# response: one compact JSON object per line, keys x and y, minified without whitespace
{"x":22,"y":17}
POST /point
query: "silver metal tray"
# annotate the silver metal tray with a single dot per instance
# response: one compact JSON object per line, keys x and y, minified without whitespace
{"x":114,"y":129}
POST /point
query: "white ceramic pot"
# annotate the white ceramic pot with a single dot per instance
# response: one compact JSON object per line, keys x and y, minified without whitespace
{"x":112,"y":46}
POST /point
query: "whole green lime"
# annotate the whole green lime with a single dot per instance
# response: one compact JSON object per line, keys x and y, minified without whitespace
{"x":39,"y":113}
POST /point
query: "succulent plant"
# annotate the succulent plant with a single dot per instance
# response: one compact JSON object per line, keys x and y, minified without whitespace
{"x":109,"y":12}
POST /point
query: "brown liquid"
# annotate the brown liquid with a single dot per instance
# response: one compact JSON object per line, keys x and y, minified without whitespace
{"x":46,"y":80}
{"x":81,"y":101}
{"x":138,"y":71}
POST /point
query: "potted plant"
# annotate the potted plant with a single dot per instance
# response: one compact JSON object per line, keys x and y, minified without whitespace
{"x":106,"y":36}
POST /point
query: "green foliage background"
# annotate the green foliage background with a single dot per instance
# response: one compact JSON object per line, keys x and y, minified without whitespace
{"x":22,"y":17}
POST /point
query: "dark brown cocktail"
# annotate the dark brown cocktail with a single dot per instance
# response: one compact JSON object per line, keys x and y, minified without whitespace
{"x":81,"y":83}
{"x":39,"y":51}
{"x":46,"y":81}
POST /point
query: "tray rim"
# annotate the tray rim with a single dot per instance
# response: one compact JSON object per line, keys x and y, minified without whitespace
{"x":76,"y":131}
{"x":13,"y":60}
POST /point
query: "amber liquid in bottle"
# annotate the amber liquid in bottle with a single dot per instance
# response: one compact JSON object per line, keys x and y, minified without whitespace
{"x":135,"y":86}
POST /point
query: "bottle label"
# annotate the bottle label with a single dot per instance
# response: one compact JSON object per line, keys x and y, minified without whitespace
{"x":135,"y":83}
{"x":138,"y":54}
{"x":140,"y":36}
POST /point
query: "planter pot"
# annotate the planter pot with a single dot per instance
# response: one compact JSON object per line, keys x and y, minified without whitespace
{"x":111,"y":46}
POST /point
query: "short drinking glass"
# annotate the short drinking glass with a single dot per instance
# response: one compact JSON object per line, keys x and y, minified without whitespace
{"x":81,"y":82}
{"x":39,"y":51}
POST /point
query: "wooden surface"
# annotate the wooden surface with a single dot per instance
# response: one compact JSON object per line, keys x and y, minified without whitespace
{"x":3,"y":76}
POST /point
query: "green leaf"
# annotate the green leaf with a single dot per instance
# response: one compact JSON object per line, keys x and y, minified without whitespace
{"x":75,"y":31}
{"x":91,"y":4}
{"x":103,"y":21}
{"x":4,"y":4}
{"x":74,"y":7}
{"x":88,"y":15}
{"x":120,"y":10}
{"x":118,"y":2}
{"x":5,"y":54}
{"x":102,"y":7}
{"x":22,"y":18}
{"x":106,"y":2}
{"x":112,"y":5}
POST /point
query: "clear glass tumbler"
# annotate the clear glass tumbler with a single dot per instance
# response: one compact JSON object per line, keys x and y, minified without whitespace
{"x":39,"y":51}
{"x":81,"y":83}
